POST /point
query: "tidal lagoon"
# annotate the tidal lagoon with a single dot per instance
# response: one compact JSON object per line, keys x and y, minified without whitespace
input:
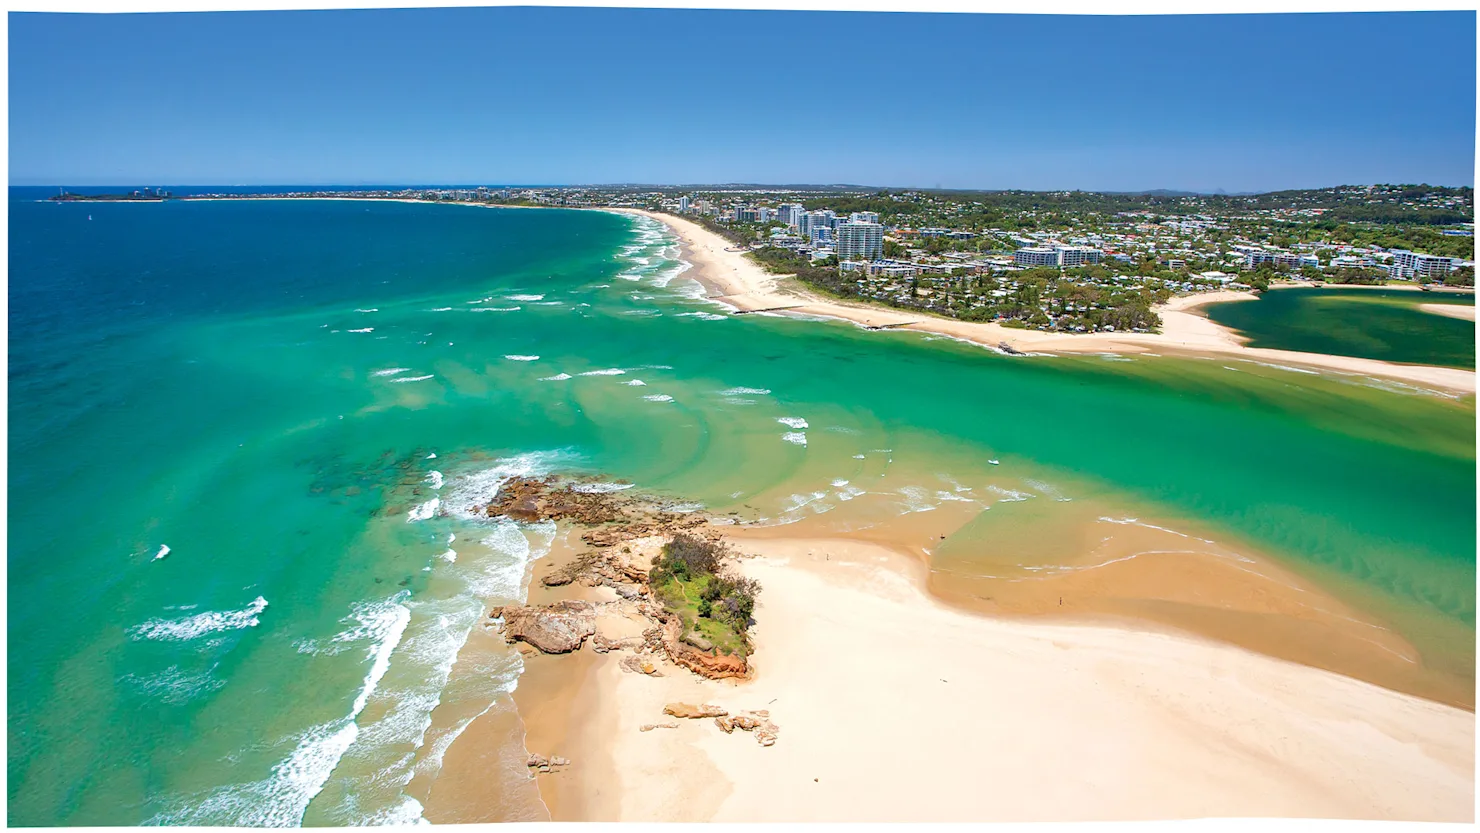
{"x":1367,"y":322}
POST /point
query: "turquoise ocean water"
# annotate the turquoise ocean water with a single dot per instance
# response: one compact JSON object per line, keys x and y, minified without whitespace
{"x":242,"y":433}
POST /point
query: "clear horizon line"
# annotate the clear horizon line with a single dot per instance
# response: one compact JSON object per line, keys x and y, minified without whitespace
{"x":717,"y":185}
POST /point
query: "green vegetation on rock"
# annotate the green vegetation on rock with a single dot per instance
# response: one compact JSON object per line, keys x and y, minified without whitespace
{"x":690,"y":578}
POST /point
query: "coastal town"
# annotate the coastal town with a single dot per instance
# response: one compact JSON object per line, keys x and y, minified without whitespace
{"x":1054,"y":261}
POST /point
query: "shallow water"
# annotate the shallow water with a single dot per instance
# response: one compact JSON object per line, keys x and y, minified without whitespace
{"x":301,"y":399}
{"x":1381,"y":324}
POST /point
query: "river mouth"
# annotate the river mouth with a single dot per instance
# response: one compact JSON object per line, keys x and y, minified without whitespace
{"x":283,"y":446}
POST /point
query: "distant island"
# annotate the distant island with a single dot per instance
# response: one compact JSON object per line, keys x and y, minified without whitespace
{"x":140,"y":195}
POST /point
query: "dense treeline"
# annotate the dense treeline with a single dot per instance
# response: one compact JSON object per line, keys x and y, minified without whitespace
{"x":1397,"y":214}
{"x":822,"y":275}
{"x":1417,"y":238}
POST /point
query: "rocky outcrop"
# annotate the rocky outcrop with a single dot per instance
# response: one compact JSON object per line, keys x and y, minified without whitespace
{"x":661,"y":523}
{"x":529,"y":499}
{"x":689,"y":712}
{"x":626,"y":533}
{"x":711,"y":663}
{"x":558,"y":628}
{"x":640,"y":665}
{"x":756,"y":722}
{"x":601,"y":644}
{"x":648,"y":727}
{"x":541,"y":764}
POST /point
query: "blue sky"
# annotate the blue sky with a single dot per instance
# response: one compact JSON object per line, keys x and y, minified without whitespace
{"x":562,"y":96}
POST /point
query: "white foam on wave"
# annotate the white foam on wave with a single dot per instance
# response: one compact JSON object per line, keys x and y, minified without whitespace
{"x":635,"y":383}
{"x":600,"y":488}
{"x":494,"y":309}
{"x":514,"y":357}
{"x":174,"y":686}
{"x":426,"y":643}
{"x":414,"y":378}
{"x":390,"y":371}
{"x":792,"y":422}
{"x":658,"y":397}
{"x":406,"y":813}
{"x":559,"y":377}
{"x":1138,"y":522}
{"x":813,"y":502}
{"x":525,"y":297}
{"x":164,"y":550}
{"x":943,"y":495}
{"x":610,"y":371}
{"x":372,"y":309}
{"x":435,"y":478}
{"x":441,"y":309}
{"x":1283,"y":367}
{"x":745,"y":392}
{"x":190,"y":627}
{"x":916,"y":500}
{"x":473,"y":489}
{"x":794,"y":437}
{"x":703,"y":316}
{"x":424,"y":511}
{"x":282,"y":798}
{"x":1048,"y":491}
{"x":1008,"y":495}
{"x":364,"y":330}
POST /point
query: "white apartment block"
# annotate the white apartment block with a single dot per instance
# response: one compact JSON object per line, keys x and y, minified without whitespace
{"x":1056,"y":256}
{"x":1408,"y":264}
{"x":860,"y":241}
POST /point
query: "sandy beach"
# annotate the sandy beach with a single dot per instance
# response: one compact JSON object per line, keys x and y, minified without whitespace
{"x":736,"y":280}
{"x":882,"y":692}
{"x":1450,"y":310}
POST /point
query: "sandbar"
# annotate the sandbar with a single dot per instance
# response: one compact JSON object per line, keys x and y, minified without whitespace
{"x":893,"y":706}
{"x":1450,"y":310}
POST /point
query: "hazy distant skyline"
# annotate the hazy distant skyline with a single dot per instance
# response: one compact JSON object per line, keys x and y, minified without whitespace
{"x":592,"y":96}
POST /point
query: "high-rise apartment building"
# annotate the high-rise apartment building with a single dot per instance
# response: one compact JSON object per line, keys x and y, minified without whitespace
{"x":860,"y":241}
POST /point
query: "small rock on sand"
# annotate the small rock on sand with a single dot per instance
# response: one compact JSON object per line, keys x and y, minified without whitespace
{"x":687,"y":711}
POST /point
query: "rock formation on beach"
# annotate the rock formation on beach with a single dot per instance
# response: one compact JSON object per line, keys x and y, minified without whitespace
{"x":558,"y":628}
{"x":626,"y":533}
